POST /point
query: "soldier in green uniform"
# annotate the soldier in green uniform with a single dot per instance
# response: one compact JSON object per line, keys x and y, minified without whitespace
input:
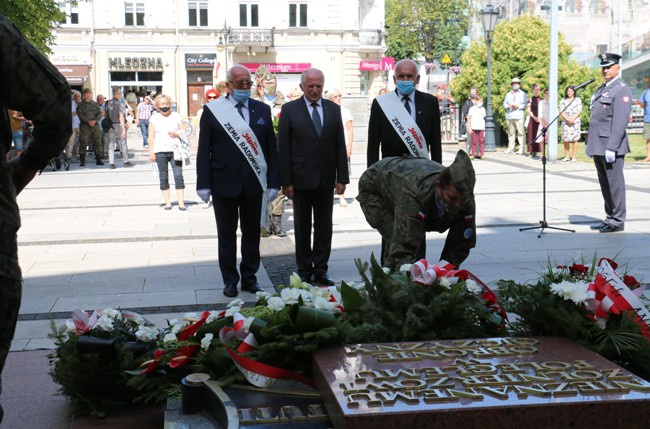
{"x":90,"y":114}
{"x":404,"y":197}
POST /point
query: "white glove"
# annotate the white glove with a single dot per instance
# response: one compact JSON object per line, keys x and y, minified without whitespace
{"x":271,"y":193}
{"x":610,"y":156}
{"x":204,"y":194}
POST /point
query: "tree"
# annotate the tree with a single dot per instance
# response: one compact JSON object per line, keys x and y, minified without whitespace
{"x":520,"y":48}
{"x":429,"y":28}
{"x":35,"y":19}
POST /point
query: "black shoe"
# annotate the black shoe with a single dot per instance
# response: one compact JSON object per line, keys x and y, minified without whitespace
{"x":599,"y":226}
{"x":612,"y":228}
{"x":99,"y":162}
{"x":112,"y":166}
{"x":323,"y":280}
{"x":230,"y":290}
{"x":66,"y":164}
{"x":254,"y":288}
{"x":128,"y":164}
{"x":305,"y":278}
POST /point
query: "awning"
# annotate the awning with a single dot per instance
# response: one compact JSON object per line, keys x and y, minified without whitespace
{"x":75,"y":74}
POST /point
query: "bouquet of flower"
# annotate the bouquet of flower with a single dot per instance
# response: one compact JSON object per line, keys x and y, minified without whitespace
{"x":590,"y":304}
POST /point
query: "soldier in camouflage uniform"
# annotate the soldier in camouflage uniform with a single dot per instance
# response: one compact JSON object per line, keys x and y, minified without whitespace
{"x":90,"y":114}
{"x":404,"y":197}
{"x":48,"y":104}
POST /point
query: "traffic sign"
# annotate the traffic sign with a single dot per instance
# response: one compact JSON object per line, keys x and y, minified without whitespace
{"x":446,"y":59}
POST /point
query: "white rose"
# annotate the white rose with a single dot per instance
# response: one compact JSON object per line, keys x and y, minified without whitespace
{"x":405,"y":268}
{"x":290,"y":295}
{"x":104,"y":323}
{"x":444,"y":282}
{"x":262,"y":296}
{"x":323,"y":304}
{"x":180,"y":324}
{"x":112,"y":313}
{"x":214,"y":315}
{"x":473,"y":287}
{"x":205,"y":341}
{"x":385,"y":270}
{"x":169,"y":337}
{"x":236,"y":303}
{"x":232,"y":310}
{"x":146,"y":334}
{"x":275,"y":303}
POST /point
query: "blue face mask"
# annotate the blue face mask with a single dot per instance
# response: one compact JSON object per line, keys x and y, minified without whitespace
{"x":241,"y":95}
{"x":405,"y":87}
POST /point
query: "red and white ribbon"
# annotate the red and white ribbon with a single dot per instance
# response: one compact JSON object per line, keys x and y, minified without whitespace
{"x":422,"y":272}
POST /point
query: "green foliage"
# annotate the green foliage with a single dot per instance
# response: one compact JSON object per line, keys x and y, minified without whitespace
{"x":35,"y":19}
{"x":520,"y":48}
{"x":429,"y":28}
{"x":397,"y":309}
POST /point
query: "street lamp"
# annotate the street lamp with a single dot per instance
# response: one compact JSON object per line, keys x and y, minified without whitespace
{"x":224,"y":39}
{"x":489,"y":16}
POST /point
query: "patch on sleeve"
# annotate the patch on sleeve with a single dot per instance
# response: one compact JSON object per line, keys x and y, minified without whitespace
{"x":468,"y":233}
{"x":626,"y":99}
{"x":469,"y":218}
{"x":421,"y":215}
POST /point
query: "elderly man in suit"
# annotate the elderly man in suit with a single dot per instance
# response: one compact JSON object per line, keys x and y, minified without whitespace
{"x":607,"y":141}
{"x":236,"y":164}
{"x":413,"y":110}
{"x":313,"y":162}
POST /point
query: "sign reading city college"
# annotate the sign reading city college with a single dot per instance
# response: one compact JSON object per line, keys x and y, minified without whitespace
{"x":386,"y":64}
{"x":200,"y":61}
{"x":279,"y":67}
{"x":135,"y":63}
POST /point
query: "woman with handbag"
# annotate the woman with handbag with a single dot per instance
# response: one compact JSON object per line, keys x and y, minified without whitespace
{"x":166,"y":133}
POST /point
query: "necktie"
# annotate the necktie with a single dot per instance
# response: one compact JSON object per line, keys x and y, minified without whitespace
{"x":405,"y":99}
{"x":239,"y":106}
{"x":315,"y":117}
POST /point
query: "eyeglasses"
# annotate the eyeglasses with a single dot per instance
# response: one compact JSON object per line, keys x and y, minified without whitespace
{"x":212,"y":97}
{"x":241,"y":83}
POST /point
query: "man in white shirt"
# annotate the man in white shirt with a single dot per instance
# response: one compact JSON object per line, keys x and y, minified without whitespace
{"x":515,"y":105}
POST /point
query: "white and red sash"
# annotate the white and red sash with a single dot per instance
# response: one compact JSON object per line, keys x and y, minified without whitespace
{"x":242,"y":135}
{"x":403,"y":124}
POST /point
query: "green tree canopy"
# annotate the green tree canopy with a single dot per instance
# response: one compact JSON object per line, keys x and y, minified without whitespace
{"x":35,"y":19}
{"x":520,"y":48}
{"x":431,"y":28}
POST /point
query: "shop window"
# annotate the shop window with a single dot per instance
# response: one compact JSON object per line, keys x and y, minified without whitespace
{"x":198,"y":13}
{"x":297,"y":14}
{"x":134,"y":14}
{"x":71,"y":10}
{"x":247,"y":10}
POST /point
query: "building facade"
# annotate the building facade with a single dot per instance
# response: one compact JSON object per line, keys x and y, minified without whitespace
{"x":178,"y":47}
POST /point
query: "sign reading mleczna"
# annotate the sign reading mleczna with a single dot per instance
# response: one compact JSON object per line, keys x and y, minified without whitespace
{"x":367,"y":384}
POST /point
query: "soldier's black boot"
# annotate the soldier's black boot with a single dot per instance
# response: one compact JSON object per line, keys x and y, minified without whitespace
{"x":82,"y":160}
{"x":98,"y":161}
{"x":277,"y":226}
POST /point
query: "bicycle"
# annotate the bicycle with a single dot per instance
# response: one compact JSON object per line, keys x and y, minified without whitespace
{"x":189,"y":128}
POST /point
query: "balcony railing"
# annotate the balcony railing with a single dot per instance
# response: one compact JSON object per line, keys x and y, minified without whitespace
{"x":249,"y":37}
{"x":370,"y":36}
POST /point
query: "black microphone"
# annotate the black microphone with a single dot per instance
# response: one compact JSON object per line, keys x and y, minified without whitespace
{"x":583,"y":84}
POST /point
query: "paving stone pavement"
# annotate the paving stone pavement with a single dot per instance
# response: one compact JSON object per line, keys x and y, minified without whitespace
{"x":94,"y":237}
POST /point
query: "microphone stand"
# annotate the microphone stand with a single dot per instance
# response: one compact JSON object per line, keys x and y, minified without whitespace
{"x":542,"y":223}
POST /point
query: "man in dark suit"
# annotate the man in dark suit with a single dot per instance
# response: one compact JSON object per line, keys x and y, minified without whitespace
{"x":229,"y":172}
{"x":607,"y":141}
{"x":313,"y":162}
{"x":423,"y":108}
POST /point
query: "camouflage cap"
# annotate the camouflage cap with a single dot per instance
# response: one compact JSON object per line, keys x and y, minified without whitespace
{"x":462,"y":173}
{"x":262,"y":73}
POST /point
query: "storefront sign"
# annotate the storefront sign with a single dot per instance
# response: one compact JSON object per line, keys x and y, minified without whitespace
{"x":135,"y":63}
{"x":71,"y":58}
{"x":74,"y":74}
{"x":385,"y":64}
{"x":200,"y":61}
{"x":279,"y":67}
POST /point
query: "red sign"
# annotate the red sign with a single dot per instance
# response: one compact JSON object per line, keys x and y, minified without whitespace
{"x":385,"y":64}
{"x":279,"y":67}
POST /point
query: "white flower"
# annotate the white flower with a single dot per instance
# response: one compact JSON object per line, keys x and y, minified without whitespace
{"x":104,"y":323}
{"x":214,"y":315}
{"x":146,"y":334}
{"x":306,"y":296}
{"x":205,"y":341}
{"x":473,"y":287}
{"x":324,"y":304}
{"x":232,"y":310}
{"x":444,"y":282}
{"x":236,"y":303}
{"x":112,"y":313}
{"x":262,"y":296}
{"x":169,"y":337}
{"x":405,"y":268}
{"x":275,"y":303}
{"x":290,"y":295}
{"x":385,"y":270}
{"x":178,"y":325}
{"x":576,"y":292}
{"x":192,"y":317}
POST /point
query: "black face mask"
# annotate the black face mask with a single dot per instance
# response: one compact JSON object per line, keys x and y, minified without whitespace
{"x":165,"y":109}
